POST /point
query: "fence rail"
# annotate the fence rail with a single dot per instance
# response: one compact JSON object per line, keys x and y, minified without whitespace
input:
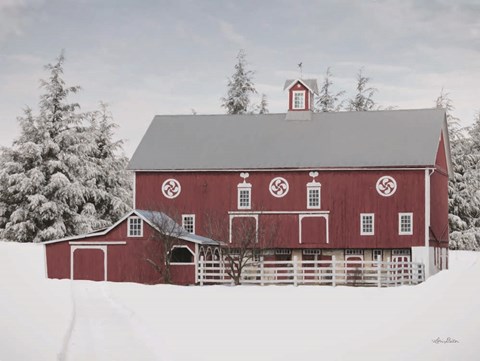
{"x":295,"y":272}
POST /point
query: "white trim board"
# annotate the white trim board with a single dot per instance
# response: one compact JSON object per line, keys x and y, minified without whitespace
{"x":302,"y":216}
{"x":105,"y":243}
{"x":276,"y":212}
{"x":230,"y":221}
{"x":104,"y":248}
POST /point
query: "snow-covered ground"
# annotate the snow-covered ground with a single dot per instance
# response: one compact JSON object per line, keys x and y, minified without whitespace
{"x":61,"y":320}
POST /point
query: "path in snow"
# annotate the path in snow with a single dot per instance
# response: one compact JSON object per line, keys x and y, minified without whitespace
{"x":103,"y":330}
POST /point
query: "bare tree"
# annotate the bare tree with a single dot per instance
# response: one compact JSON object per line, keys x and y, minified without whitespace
{"x":166,"y":234}
{"x":245,"y":243}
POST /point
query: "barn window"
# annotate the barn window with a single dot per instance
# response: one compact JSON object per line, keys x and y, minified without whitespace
{"x":135,"y":227}
{"x":244,"y":198}
{"x":354,"y":252}
{"x":244,"y":193}
{"x":405,"y":223}
{"x":181,"y":254}
{"x":298,"y":100}
{"x":188,"y":222}
{"x":401,"y":252}
{"x":376,"y":253}
{"x":367,"y":224}
{"x":313,"y":195}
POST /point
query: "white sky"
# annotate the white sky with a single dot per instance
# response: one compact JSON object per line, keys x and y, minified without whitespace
{"x":167,"y":57}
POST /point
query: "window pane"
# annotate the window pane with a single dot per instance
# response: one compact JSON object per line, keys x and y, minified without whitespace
{"x":188,"y":224}
{"x":244,"y":198}
{"x":314,"y":198}
{"x":134,"y":227}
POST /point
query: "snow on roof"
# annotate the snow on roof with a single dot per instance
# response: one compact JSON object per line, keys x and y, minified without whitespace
{"x":311,"y":84}
{"x":390,"y":138}
{"x":154,"y":219}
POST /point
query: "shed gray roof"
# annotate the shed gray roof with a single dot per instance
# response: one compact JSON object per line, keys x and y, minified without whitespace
{"x":157,"y":220}
{"x":309,"y":83}
{"x":269,"y":141}
{"x":163,"y":222}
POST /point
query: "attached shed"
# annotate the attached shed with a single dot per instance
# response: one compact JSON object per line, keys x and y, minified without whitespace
{"x":127,"y":252}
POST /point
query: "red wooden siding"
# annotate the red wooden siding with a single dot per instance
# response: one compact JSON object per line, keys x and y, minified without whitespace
{"x":314,"y":230}
{"x":182,"y":274}
{"x":125,"y":262}
{"x":89,"y":264}
{"x":439,"y":198}
{"x":344,"y":195}
{"x":58,"y":260}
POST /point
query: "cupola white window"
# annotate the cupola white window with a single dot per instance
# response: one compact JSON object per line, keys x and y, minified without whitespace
{"x":135,"y":227}
{"x":244,"y":193}
{"x":405,"y":223}
{"x":298,"y":99}
{"x":367,"y":224}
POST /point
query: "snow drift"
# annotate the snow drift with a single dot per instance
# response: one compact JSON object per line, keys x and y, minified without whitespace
{"x":43,"y":319}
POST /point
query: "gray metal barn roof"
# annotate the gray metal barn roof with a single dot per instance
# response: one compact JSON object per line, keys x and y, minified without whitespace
{"x":344,"y":139}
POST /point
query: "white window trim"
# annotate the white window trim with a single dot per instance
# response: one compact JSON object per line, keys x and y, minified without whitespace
{"x":249,"y":190}
{"x":128,"y":227}
{"x":409,"y":233}
{"x":193,"y":221}
{"x":314,"y":187}
{"x":362,"y":233}
{"x":293,"y":99}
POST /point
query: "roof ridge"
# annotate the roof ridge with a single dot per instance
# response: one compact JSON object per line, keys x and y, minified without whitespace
{"x":284,"y":113}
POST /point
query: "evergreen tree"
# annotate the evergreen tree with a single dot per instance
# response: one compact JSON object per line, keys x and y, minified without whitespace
{"x":240,"y":87}
{"x":327,"y":101}
{"x":363,"y":100}
{"x":463,"y":189}
{"x":263,"y":107}
{"x":49,"y":174}
{"x":110,"y":185}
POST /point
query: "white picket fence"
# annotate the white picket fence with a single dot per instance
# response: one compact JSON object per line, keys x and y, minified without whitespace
{"x":295,"y":272}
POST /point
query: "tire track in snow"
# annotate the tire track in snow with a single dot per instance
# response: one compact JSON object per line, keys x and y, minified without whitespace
{"x":100,"y":330}
{"x":66,"y":339}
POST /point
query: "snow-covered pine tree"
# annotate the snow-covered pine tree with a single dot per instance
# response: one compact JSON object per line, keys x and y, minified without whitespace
{"x":463,"y":197}
{"x":363,"y":100}
{"x":240,"y":87}
{"x":45,"y":193}
{"x":263,"y":107}
{"x":327,"y":101}
{"x":109,"y":183}
{"x":470,"y":237}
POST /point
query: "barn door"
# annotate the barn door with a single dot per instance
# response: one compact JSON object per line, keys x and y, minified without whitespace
{"x":88,"y":264}
{"x":400,"y":264}
{"x":354,"y":268}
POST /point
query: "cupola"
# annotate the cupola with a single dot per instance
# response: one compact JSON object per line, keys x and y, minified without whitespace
{"x":300,"y":97}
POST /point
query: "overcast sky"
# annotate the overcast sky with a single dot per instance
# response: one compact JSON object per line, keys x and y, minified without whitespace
{"x":167,"y":57}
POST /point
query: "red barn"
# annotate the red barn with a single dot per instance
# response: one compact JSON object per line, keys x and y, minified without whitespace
{"x":349,"y":185}
{"x":124,"y":252}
